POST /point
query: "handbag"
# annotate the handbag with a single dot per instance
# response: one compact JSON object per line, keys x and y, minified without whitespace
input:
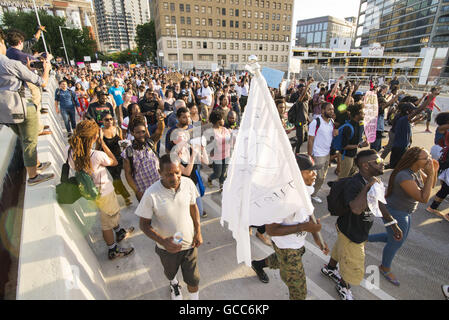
{"x":199,"y":180}
{"x":67,"y":192}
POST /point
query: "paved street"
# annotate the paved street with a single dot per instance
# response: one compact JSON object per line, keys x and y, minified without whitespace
{"x":421,"y":264}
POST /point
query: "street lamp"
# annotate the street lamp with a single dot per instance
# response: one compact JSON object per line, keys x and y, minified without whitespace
{"x":177,"y":42}
{"x":63,"y":44}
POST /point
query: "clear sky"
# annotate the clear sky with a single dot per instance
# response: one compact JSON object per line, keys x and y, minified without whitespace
{"x":305,"y":9}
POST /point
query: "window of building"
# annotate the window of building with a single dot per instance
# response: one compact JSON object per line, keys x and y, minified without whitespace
{"x":169,"y":44}
{"x":198,"y":33}
{"x":236,"y":35}
{"x":236,"y":12}
{"x":183,"y":20}
{"x":223,"y":23}
{"x":190,"y":44}
{"x":206,"y":57}
{"x":184,"y":45}
{"x":231,"y":24}
{"x":189,"y":20}
{"x":248,"y":25}
{"x":165,"y":5}
{"x":209,"y":10}
{"x":181,"y":7}
{"x":183,"y":32}
{"x":187,"y":7}
{"x":218,"y":22}
{"x":231,"y":12}
{"x":187,"y":57}
{"x":167,"y":19}
{"x":189,"y":32}
{"x":249,"y":14}
{"x":218,"y":45}
{"x":223,"y":34}
{"x":223,"y":45}
{"x":231,"y":46}
{"x":236,"y":24}
{"x":197,"y":8}
{"x":203,"y":21}
{"x":203,"y":9}
{"x":244,"y":13}
{"x":223,"y":11}
{"x":172,"y":56}
{"x":173,"y":20}
{"x":198,"y":44}
{"x":172,"y":6}
{"x":204,"y":45}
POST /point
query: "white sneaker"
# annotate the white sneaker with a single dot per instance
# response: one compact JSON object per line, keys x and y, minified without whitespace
{"x":317,"y":200}
{"x":445,"y":289}
{"x":344,"y":293}
{"x":175,"y":291}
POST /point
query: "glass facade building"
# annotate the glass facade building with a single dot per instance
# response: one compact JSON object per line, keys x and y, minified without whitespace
{"x":317,"y":32}
{"x":403,"y":25}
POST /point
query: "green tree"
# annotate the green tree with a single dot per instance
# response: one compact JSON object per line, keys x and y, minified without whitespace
{"x":146,"y":40}
{"x":78,"y":42}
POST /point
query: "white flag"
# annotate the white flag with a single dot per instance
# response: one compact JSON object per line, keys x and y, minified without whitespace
{"x":264,"y":184}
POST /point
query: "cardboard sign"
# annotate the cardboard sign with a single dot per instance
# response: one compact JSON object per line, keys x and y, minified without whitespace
{"x":371,"y":112}
{"x":81,"y":65}
{"x":87,"y":59}
{"x":273,"y":77}
{"x":175,"y":77}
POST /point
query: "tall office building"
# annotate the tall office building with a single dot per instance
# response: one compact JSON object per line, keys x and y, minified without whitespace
{"x":223,"y":33}
{"x":408,"y":26}
{"x":117,"y":22}
{"x":403,"y":25}
{"x":318,"y":32}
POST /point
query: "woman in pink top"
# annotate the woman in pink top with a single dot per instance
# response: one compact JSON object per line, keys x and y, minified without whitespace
{"x":222,"y":148}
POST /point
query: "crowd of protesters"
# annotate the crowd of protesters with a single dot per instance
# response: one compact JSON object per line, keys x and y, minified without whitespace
{"x":123,"y":114}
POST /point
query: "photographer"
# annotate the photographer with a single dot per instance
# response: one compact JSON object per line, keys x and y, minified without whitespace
{"x":16,"y":40}
{"x":23,"y":122}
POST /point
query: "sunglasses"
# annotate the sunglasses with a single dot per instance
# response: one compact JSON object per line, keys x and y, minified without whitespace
{"x":378,"y":161}
{"x":108,"y":119}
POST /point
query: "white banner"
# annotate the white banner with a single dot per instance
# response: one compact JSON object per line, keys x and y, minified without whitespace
{"x":264,"y":184}
{"x":87,"y":59}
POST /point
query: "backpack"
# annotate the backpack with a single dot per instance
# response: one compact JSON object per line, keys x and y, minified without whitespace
{"x":335,"y":199}
{"x":292,"y":114}
{"x":337,"y":141}
{"x":87,"y":186}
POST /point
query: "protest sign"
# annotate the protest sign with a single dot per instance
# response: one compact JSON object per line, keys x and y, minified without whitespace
{"x":371,"y":109}
{"x":273,"y":77}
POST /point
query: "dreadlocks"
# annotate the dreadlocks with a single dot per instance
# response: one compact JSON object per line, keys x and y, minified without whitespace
{"x":407,"y":160}
{"x":81,"y":143}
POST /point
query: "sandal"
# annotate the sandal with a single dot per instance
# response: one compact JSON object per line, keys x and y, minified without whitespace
{"x":128,"y":202}
{"x":123,"y":234}
{"x":387,"y":275}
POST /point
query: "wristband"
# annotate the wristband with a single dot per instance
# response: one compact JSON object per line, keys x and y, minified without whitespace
{"x":390,"y":223}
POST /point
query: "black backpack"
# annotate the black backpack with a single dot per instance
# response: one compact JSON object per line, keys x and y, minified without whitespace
{"x":335,"y":199}
{"x":292,"y":114}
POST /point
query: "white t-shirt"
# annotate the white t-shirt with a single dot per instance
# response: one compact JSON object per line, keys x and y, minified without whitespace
{"x":169,"y":210}
{"x":99,"y":161}
{"x":294,"y":240}
{"x":205,"y":92}
{"x":323,"y":138}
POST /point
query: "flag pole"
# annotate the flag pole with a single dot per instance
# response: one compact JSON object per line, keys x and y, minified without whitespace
{"x":255,"y":69}
{"x":39,"y":22}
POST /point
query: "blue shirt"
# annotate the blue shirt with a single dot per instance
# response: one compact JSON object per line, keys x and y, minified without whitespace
{"x":66,"y":98}
{"x":16,"y":54}
{"x":117,"y":93}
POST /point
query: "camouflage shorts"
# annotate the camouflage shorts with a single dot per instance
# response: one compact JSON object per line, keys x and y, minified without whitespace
{"x":289,"y":263}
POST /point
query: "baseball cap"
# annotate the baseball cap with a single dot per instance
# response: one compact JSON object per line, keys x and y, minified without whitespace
{"x":305,"y":162}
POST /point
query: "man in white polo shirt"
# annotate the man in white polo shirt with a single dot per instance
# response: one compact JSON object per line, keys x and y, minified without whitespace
{"x":168,"y":207}
{"x":321,"y":133}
